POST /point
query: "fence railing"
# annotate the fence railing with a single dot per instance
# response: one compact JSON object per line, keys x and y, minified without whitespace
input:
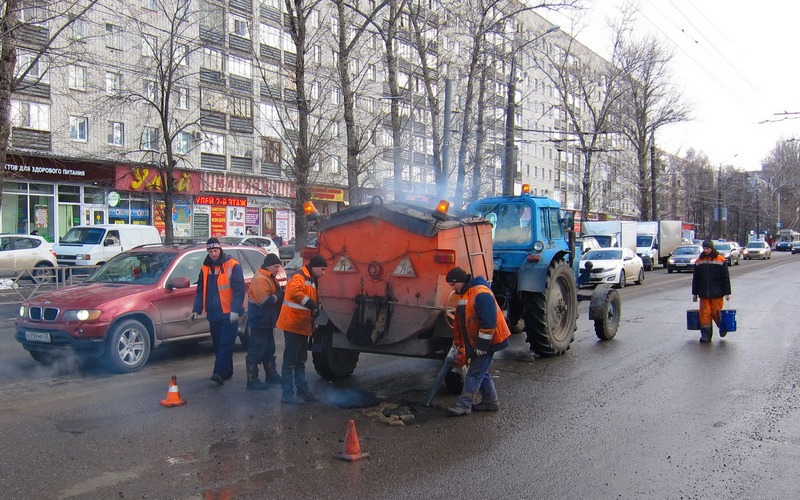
{"x":31,"y":282}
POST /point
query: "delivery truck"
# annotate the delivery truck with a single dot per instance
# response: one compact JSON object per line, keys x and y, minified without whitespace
{"x":656,"y":240}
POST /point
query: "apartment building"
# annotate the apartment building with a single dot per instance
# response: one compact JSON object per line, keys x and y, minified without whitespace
{"x":207,"y":89}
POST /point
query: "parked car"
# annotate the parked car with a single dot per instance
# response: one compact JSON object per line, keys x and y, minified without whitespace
{"x":683,"y":258}
{"x":95,"y":245}
{"x":757,"y":250}
{"x":588,"y":243}
{"x":253,"y":241}
{"x":727,"y":250}
{"x":795,"y":247}
{"x":135,"y":302}
{"x":613,"y":265}
{"x":25,"y":253}
{"x":783,"y":246}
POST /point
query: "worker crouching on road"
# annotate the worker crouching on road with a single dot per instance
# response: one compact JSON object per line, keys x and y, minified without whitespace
{"x":478,"y":327}
{"x":296,"y":319}
{"x":264,"y":298}
{"x":711,"y":282}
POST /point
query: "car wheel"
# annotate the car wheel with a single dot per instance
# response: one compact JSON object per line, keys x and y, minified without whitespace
{"x":669,"y":270}
{"x":44,"y":273}
{"x":622,"y":279}
{"x":640,"y":279}
{"x":128,"y":346}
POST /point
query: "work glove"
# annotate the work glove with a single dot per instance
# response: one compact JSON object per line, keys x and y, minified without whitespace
{"x":480,"y":352}
{"x":194,"y":316}
{"x":234,"y":317}
{"x":312,"y":304}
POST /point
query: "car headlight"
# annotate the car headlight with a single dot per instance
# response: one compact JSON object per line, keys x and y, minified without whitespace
{"x":81,"y":315}
{"x":670,"y":261}
{"x":23,"y":311}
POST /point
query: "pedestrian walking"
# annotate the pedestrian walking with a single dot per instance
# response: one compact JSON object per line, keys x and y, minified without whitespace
{"x":300,"y":307}
{"x":480,"y":329}
{"x":220,"y":293}
{"x":264,"y":298}
{"x":710,"y":282}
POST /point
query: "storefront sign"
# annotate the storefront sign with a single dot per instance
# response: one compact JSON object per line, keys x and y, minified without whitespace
{"x":327,"y":194}
{"x":63,"y":171}
{"x":148,"y":179}
{"x":218,"y":222}
{"x":200,"y":221}
{"x":113,"y":199}
{"x":254,"y":186}
{"x":226,"y":201}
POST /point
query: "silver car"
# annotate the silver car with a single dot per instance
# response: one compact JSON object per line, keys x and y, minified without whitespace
{"x":27,"y":255}
{"x":683,"y":258}
{"x":757,"y":250}
{"x":729,"y":251}
{"x":619,"y":266}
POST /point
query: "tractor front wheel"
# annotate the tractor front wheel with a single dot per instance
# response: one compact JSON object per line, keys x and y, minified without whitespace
{"x":551,"y":317}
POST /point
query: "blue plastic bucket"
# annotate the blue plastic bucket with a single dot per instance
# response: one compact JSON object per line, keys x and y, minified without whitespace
{"x":727,"y":319}
{"x":693,"y":319}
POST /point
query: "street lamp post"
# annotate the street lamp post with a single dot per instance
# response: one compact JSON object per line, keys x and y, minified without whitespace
{"x":510,"y":150}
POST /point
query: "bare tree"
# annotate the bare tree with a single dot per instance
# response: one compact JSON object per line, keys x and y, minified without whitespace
{"x":781,"y":170}
{"x":651,"y":102}
{"x":40,"y":29}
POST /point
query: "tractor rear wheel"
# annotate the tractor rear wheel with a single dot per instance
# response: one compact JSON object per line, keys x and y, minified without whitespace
{"x":551,"y":317}
{"x":331,"y":363}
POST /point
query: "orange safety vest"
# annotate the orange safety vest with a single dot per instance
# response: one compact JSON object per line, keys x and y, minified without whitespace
{"x":295,"y":317}
{"x":223,"y":284}
{"x":472,"y":328}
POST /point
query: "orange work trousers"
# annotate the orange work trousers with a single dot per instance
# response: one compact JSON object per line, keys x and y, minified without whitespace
{"x":709,"y":310}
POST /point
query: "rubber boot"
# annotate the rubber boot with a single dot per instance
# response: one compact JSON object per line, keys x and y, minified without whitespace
{"x":705,"y":334}
{"x":252,"y":377}
{"x":271,"y":374}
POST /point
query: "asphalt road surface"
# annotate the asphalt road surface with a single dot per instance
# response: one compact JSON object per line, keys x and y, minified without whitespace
{"x":650,"y":414}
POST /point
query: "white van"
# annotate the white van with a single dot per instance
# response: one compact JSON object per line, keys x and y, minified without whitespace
{"x":94,"y":245}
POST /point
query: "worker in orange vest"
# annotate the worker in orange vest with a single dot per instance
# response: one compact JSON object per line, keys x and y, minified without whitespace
{"x":220,"y":293}
{"x":296,"y":319}
{"x":480,"y":328}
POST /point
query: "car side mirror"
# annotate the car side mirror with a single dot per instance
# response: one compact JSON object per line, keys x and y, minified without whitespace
{"x":178,"y":282}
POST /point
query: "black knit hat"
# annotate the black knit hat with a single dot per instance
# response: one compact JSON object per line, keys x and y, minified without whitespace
{"x":213,"y":243}
{"x":457,"y":275}
{"x":708,"y":244}
{"x":271,"y":260}
{"x":317,"y":261}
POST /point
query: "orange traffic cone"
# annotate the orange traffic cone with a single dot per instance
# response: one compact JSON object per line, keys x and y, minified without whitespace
{"x":352,"y":450}
{"x":173,"y":395}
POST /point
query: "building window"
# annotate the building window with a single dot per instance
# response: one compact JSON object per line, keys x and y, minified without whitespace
{"x":183,"y":142}
{"x":30,"y":115}
{"x":213,"y":144}
{"x":212,"y":59}
{"x":240,"y":106}
{"x":31,"y":12}
{"x":182,"y":97}
{"x":272,"y":150}
{"x":182,"y":54}
{"x":317,"y":51}
{"x":150,"y":4}
{"x":150,"y":138}
{"x":28,"y":65}
{"x":79,"y":29}
{"x":149,"y":46}
{"x":336,"y":165}
{"x":113,"y":36}
{"x":79,"y":128}
{"x":315,"y":166}
{"x":150,"y":91}
{"x":240,"y":27}
{"x":116,"y":133}
{"x":240,"y":66}
{"x":270,"y":36}
{"x":77,"y":77}
{"x":315,"y":90}
{"x":113,"y":83}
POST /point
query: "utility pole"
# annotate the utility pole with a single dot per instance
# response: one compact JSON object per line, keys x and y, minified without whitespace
{"x":653,"y":169}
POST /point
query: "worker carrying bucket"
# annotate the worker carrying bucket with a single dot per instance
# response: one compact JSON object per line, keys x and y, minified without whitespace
{"x":711,"y":283}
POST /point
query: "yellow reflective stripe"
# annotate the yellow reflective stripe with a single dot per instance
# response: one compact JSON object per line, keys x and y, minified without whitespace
{"x":462,"y":302}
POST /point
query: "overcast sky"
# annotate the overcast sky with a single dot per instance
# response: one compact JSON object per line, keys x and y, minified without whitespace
{"x":736,"y":62}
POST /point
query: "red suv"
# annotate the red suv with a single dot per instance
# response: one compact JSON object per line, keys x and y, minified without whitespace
{"x":133,"y":303}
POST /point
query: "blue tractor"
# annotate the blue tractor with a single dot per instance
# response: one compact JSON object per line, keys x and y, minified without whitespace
{"x":537,"y":279}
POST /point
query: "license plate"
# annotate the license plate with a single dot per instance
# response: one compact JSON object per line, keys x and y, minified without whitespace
{"x":37,"y":336}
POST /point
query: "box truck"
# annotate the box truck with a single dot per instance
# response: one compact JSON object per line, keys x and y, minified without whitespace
{"x":612,"y":233}
{"x":656,"y":240}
